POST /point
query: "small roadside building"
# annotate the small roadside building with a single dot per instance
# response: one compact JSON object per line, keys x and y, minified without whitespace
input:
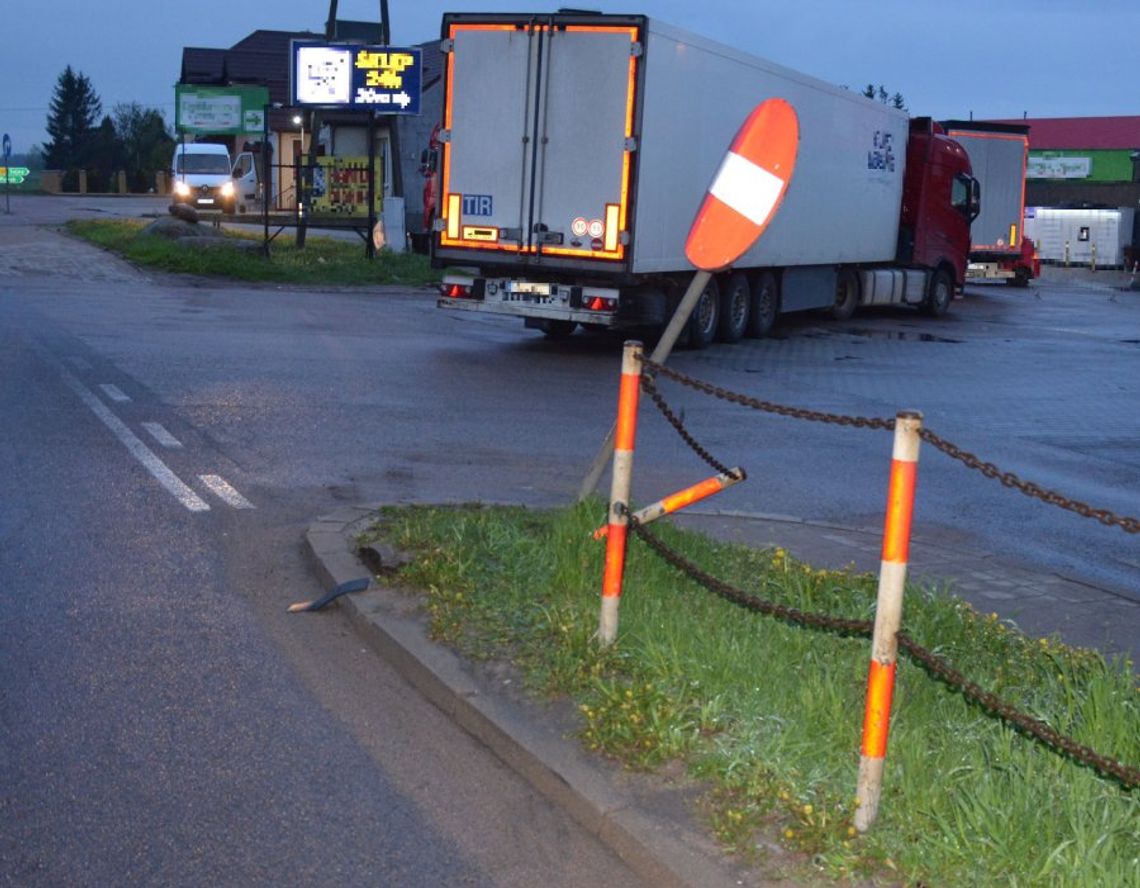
{"x":263,"y":58}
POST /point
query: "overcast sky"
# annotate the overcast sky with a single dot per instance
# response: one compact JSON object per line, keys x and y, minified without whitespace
{"x":1049,"y":58}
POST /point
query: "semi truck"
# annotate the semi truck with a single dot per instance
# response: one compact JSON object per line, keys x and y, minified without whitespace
{"x":575,"y":149}
{"x":999,"y":157}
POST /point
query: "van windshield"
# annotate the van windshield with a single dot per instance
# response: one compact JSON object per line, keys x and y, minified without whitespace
{"x":203,"y":163}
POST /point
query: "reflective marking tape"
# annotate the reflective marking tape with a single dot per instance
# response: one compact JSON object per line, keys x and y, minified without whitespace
{"x":225,"y":492}
{"x":615,"y":561}
{"x":877,"y":716}
{"x":627,"y":419}
{"x":747,"y":188}
{"x":900,"y":511}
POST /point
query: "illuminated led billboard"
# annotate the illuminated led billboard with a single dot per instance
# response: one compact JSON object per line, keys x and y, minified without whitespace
{"x":376,"y":78}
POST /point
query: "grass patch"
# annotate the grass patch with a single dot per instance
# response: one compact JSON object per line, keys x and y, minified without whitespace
{"x":323,"y":261}
{"x":769,"y":715}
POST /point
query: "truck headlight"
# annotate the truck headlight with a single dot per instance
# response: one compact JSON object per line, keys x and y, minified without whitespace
{"x":228,"y":189}
{"x":181,"y":189}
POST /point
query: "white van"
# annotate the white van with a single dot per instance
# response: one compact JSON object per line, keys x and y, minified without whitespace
{"x":203,"y":177}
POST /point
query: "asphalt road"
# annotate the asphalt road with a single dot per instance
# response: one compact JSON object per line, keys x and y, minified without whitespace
{"x":165,"y":721}
{"x":162,"y":720}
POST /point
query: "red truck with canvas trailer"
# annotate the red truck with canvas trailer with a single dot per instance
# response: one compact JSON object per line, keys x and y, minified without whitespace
{"x":999,"y":157}
{"x":576,"y":148}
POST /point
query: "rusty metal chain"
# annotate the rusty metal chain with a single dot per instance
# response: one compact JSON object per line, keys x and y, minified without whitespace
{"x":988,"y":469}
{"x":1009,"y":479}
{"x":862,"y":422}
{"x":1126,"y":775}
{"x":1027,"y":724}
{"x":650,"y":389}
{"x":742,"y":598}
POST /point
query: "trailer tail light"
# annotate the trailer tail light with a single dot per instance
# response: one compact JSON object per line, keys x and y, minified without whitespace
{"x":455,"y":291}
{"x":601,"y":303}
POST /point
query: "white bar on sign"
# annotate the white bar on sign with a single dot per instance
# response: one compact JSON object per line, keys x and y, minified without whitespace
{"x":749,"y":189}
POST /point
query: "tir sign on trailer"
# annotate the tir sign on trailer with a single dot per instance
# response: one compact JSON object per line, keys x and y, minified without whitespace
{"x":748,"y":188}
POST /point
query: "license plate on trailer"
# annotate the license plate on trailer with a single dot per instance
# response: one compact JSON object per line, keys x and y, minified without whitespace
{"x":205,"y":200}
{"x":529,"y":288}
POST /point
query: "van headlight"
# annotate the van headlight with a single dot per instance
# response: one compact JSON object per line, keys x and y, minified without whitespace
{"x":228,"y":189}
{"x":181,"y":189}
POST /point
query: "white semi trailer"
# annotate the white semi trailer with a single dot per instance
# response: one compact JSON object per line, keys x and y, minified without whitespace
{"x":576,"y":148}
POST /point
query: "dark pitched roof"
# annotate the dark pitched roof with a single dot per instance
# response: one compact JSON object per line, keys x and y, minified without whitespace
{"x":1082,"y":133}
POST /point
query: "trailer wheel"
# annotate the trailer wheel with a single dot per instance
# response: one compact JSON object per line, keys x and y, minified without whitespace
{"x":939,"y":294}
{"x":703,"y":321}
{"x":1020,"y":277}
{"x":765,"y":305}
{"x":558,"y":329}
{"x":735,"y":306}
{"x":846,"y":294}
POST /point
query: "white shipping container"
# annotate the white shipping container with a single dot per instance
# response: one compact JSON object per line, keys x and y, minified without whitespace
{"x":1108,"y":231}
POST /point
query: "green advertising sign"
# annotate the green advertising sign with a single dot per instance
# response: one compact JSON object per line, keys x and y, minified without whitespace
{"x":13,"y":175}
{"x":219,"y":110}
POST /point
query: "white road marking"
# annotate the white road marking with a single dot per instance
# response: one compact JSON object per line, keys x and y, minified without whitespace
{"x":225,"y":492}
{"x":162,"y":436}
{"x":161,"y":472}
{"x":114,"y":392}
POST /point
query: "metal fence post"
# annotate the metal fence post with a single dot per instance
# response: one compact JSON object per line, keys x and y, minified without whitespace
{"x":888,"y":616}
{"x":626,"y":432}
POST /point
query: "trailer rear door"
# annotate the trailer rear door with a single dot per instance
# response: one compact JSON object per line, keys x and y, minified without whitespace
{"x":538,"y":118}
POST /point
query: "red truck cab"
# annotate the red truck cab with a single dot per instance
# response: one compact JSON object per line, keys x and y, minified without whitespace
{"x":940,"y":200}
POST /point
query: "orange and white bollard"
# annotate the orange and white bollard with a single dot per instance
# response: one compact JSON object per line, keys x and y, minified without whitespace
{"x":624,"y":435}
{"x":888,"y":616}
{"x":682,"y":498}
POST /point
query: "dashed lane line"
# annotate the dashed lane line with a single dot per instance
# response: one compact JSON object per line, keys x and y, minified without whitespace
{"x":157,"y":431}
{"x":115,"y":393}
{"x":157,"y":468}
{"x":225,"y":492}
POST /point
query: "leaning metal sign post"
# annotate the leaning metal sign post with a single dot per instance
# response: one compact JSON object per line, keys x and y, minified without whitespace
{"x":743,"y":198}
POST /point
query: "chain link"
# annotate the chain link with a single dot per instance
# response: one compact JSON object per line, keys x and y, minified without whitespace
{"x":988,"y":469}
{"x":1126,"y":775}
{"x":650,"y":389}
{"x":862,"y":422}
{"x":1009,"y":479}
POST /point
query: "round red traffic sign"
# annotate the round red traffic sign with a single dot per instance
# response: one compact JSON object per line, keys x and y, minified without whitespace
{"x":748,"y":188}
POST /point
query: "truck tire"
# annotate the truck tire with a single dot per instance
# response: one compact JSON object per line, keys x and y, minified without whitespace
{"x":735,"y":307}
{"x":558,"y":329}
{"x":846,"y":295}
{"x":938,"y":293}
{"x":765,"y":305}
{"x":1020,"y":277}
{"x":703,"y":321}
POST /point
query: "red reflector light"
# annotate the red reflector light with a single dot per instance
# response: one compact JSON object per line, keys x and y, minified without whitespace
{"x":599,"y":303}
{"x":455,"y":291}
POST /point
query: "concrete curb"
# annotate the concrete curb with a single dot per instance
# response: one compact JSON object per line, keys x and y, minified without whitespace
{"x":663,"y":850}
